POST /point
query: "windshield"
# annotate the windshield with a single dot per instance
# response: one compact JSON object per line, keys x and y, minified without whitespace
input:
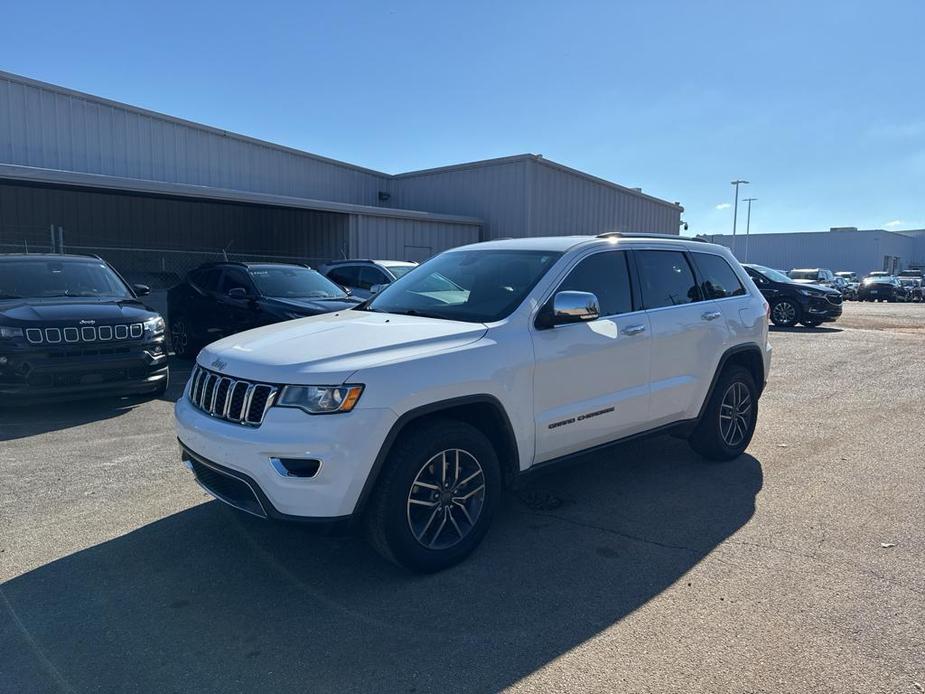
{"x":400,"y":270}
{"x":803,"y":275}
{"x":294,"y":283}
{"x":770,"y":274}
{"x":35,"y":278}
{"x":473,"y":286}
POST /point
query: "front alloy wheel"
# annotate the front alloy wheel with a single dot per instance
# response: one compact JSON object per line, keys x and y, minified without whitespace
{"x":436,"y":495}
{"x":785,"y":313}
{"x":446,"y":499}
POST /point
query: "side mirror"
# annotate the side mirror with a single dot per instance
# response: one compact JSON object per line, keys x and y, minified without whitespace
{"x":141,"y":289}
{"x":569,"y":307}
{"x":376,"y":288}
{"x":347,"y":290}
{"x":237,"y":293}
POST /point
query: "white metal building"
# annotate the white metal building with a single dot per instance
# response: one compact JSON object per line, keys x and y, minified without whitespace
{"x":840,"y":248}
{"x":115,"y":179}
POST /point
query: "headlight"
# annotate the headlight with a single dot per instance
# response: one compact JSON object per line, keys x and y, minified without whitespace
{"x":10,"y":332}
{"x":321,"y":399}
{"x":810,"y":292}
{"x":154,"y":327}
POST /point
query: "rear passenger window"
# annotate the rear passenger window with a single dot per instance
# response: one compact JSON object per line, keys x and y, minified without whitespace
{"x":606,"y":276}
{"x":345,"y":276}
{"x":371,"y":276}
{"x":666,"y":279}
{"x":718,"y":279}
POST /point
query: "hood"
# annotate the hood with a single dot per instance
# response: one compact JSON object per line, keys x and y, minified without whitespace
{"x":64,"y":310}
{"x":310,"y":307}
{"x":810,"y":284}
{"x":327,"y":349}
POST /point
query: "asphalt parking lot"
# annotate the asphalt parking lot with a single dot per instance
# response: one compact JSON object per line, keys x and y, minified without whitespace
{"x":798,"y":567}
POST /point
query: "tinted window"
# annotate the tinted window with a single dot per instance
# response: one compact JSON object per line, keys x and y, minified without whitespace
{"x":206,"y":280}
{"x":666,"y":279}
{"x":718,"y":279}
{"x":477,"y":286}
{"x":346,"y":276}
{"x":294,"y":282}
{"x":606,"y":276}
{"x":234,"y":278}
{"x":370,"y":276}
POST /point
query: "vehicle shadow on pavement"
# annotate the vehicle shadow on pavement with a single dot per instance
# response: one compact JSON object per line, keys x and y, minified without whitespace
{"x":211,"y":599}
{"x":41,"y":418}
{"x":803,"y":329}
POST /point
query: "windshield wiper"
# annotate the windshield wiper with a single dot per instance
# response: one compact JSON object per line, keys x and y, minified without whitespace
{"x":421,"y":314}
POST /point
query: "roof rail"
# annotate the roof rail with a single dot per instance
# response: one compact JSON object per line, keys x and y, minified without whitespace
{"x":643,"y":235}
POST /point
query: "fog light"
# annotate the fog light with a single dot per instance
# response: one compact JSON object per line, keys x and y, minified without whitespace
{"x":296,"y":467}
{"x":4,"y":361}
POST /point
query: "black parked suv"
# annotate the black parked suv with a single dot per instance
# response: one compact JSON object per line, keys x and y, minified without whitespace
{"x":881,"y":286}
{"x":792,"y":302}
{"x":220,"y":299}
{"x":70,"y":326}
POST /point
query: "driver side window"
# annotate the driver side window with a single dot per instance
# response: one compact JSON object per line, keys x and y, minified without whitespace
{"x":233,"y":278}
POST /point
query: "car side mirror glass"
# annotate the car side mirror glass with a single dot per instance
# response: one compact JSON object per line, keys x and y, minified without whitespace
{"x":237,"y":293}
{"x":141,"y":289}
{"x":573,"y":307}
{"x":347,"y":290}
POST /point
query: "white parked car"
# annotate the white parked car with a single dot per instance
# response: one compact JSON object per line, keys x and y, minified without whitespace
{"x":411,"y":415}
{"x":365,"y":277}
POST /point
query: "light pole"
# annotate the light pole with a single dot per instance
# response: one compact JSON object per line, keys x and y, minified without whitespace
{"x":748,"y":223}
{"x":735,"y":212}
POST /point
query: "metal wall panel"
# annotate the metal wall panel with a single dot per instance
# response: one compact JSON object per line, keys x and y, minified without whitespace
{"x":855,"y":251}
{"x":46,"y":126}
{"x":563,"y":201}
{"x":387,"y":238}
{"x":494,"y":192}
{"x":99,"y":220}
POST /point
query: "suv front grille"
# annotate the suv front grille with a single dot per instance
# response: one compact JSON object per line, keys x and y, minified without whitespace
{"x":84,"y":333}
{"x":834,"y":299}
{"x":241,"y":402}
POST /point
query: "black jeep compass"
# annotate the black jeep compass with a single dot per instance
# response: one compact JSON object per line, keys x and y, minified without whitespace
{"x":70,"y":326}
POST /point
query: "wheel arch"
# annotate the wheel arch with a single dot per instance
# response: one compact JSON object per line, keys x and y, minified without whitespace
{"x":747,"y":356}
{"x":483,"y":411}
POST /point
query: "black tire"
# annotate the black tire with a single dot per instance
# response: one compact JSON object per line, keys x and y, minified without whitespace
{"x":389,"y":518}
{"x":181,"y":339}
{"x":811,"y":323}
{"x":785,"y":313}
{"x":710,"y":438}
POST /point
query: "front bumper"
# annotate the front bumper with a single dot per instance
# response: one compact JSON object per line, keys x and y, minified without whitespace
{"x":35,"y":375}
{"x":346,"y":444}
{"x":822,"y":309}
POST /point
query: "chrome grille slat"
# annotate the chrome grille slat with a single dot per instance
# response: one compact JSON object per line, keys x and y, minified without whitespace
{"x":231,"y":399}
{"x":84,"y":333}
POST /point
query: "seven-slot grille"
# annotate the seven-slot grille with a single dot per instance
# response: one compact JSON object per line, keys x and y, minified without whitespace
{"x":241,"y":402}
{"x":84,"y":334}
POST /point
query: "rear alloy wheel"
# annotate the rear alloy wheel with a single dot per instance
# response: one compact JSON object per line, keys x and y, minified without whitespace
{"x":785,"y":313}
{"x":436,"y":496}
{"x":728,"y":422}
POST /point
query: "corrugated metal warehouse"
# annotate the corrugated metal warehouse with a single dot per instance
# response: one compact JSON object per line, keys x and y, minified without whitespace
{"x":840,"y":248}
{"x":155,"y":193}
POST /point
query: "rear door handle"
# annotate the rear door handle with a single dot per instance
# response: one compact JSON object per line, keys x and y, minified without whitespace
{"x":634,"y":329}
{"x":711,"y":315}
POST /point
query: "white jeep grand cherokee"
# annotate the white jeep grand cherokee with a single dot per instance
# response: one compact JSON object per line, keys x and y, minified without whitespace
{"x":412,"y":413}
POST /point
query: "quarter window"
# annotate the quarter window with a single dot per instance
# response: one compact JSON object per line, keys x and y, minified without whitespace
{"x":606,"y":276}
{"x":718,"y":279}
{"x":666,"y":279}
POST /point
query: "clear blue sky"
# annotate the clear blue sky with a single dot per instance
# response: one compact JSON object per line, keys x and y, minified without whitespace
{"x":820,"y":104}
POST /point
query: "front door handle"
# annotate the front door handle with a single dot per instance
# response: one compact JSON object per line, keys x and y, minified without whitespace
{"x":634,"y":329}
{"x":711,"y":315}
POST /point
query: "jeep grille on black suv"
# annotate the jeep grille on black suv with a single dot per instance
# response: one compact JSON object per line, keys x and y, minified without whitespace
{"x":84,"y":333}
{"x":241,"y":402}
